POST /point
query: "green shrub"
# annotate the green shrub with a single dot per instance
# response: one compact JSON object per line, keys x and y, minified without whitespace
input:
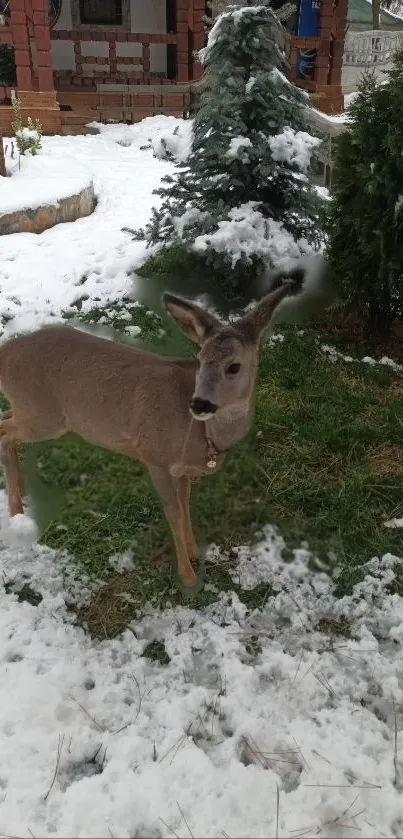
{"x":365,"y":217}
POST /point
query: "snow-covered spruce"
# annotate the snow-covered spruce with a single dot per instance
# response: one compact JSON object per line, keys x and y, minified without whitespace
{"x":250,"y":150}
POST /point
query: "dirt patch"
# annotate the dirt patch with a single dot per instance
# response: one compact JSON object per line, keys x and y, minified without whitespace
{"x":369,"y":415}
{"x":111,"y":608}
{"x":333,"y":626}
{"x":348,"y":332}
{"x":396,"y":387}
{"x":387,"y":459}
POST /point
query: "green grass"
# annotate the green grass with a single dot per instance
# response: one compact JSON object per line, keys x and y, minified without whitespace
{"x":323,"y":462}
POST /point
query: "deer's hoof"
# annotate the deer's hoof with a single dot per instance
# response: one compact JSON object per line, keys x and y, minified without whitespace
{"x":191,"y":583}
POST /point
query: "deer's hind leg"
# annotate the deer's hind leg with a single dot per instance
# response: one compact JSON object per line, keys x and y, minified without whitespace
{"x":13,"y":432}
{"x":12,"y":467}
{"x":14,"y":478}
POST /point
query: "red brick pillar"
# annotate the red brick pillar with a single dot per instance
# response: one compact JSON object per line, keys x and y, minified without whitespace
{"x":42,"y":41}
{"x":198,"y":35}
{"x":30,"y":20}
{"x":182,"y":40}
{"x":333,"y":28}
{"x":19,"y":27}
{"x":339,"y":33}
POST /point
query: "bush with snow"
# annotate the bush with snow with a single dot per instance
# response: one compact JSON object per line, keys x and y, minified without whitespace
{"x":27,"y":137}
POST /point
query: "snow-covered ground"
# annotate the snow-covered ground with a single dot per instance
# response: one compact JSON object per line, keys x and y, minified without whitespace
{"x":40,"y":276}
{"x":262,"y":724}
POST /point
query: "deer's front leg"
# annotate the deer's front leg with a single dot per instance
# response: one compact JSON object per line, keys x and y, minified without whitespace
{"x":169,"y":490}
{"x":184,"y":490}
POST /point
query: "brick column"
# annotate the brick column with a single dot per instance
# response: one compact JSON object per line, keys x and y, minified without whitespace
{"x":35,"y":89}
{"x":198,"y":34}
{"x":19,"y":27}
{"x":42,"y":40}
{"x":182,"y":48}
{"x":334,"y":28}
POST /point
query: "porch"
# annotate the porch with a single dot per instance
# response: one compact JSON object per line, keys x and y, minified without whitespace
{"x":82,"y":60}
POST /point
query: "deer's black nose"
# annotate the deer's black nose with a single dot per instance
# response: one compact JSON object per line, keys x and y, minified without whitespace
{"x":202,"y":406}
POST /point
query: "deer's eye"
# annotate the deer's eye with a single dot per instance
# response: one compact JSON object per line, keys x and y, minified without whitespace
{"x":233,"y":369}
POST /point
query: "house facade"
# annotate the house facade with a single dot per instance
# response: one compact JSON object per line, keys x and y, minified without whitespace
{"x":83,"y":60}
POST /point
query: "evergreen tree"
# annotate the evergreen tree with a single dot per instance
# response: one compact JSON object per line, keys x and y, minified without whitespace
{"x":365,"y":220}
{"x":250,"y":145}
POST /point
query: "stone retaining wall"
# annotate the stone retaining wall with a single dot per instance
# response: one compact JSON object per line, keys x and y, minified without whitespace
{"x":41,"y":218}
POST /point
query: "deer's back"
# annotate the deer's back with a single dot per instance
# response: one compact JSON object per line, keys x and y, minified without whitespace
{"x":111,"y":394}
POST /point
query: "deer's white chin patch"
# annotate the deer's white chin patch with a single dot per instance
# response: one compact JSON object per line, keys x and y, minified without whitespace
{"x":202,"y":417}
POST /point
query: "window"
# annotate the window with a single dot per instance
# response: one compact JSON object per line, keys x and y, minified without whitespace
{"x":101,"y":12}
{"x":170,"y":6}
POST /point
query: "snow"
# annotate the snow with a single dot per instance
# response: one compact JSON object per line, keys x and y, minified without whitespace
{"x":96,"y":740}
{"x":394,"y":523}
{"x":40,"y":276}
{"x":29,"y":133}
{"x":167,"y":136}
{"x":40,"y":180}
{"x":248,"y":232}
{"x":334,"y":355}
{"x":236,"y":144}
{"x":215,"y":31}
{"x":395,"y":9}
{"x":261,"y":717}
{"x":293,"y":147}
{"x":20,"y":530}
{"x":250,"y":84}
{"x":189,"y":217}
{"x":323,"y":192}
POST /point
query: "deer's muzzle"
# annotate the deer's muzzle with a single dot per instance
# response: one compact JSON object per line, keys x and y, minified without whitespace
{"x":202,"y":408}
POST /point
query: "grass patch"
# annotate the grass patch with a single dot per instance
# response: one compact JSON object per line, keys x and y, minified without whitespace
{"x":156,"y":651}
{"x":313,"y":465}
{"x":187,"y":272}
{"x":24,"y":593}
{"x":171,"y":260}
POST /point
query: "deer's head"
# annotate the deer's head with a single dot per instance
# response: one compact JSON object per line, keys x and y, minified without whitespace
{"x":228,"y":354}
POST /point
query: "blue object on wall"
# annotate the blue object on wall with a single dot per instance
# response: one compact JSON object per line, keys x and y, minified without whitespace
{"x":308,"y":27}
{"x":308,"y":20}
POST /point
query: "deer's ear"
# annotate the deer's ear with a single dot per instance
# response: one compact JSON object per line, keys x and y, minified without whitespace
{"x":255,"y":322}
{"x":195,"y":322}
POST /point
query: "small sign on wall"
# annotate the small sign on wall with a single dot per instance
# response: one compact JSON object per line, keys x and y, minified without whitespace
{"x":308,"y":27}
{"x":308,"y":18}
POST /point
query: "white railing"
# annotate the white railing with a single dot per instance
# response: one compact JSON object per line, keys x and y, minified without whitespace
{"x":368,"y":51}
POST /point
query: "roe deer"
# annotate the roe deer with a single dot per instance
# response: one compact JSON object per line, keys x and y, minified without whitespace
{"x":60,"y":379}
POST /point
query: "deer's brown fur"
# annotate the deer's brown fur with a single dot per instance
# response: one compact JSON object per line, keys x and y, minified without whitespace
{"x":60,"y":379}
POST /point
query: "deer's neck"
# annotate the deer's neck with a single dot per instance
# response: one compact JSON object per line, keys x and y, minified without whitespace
{"x":227,"y":428}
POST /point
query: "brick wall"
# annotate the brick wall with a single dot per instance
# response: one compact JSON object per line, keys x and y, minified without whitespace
{"x":325,"y":87}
